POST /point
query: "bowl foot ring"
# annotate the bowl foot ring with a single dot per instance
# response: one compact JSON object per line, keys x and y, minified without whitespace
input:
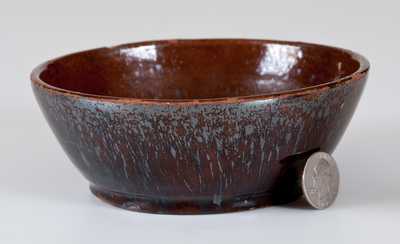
{"x":184,"y":206}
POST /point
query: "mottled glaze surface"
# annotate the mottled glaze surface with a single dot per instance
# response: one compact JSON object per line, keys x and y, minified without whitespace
{"x":198,"y":126}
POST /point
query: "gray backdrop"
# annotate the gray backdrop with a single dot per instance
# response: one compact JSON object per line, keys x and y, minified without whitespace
{"x":43,"y":198}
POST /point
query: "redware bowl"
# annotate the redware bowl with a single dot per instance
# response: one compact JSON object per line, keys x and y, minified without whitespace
{"x":198,"y":126}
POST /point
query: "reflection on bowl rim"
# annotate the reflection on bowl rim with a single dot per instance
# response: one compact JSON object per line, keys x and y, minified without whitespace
{"x":356,"y":75}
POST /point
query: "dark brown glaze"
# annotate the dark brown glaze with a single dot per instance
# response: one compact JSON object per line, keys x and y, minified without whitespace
{"x":198,"y":126}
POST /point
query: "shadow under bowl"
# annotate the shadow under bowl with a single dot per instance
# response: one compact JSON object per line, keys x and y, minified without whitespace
{"x":198,"y":126}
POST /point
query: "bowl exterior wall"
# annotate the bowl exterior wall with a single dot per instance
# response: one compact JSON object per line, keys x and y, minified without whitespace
{"x":195,"y":157}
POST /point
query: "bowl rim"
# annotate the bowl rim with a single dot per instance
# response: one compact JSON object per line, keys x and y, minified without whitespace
{"x":360,"y":73}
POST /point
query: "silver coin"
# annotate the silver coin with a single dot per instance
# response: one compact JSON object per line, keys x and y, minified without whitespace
{"x":320,"y":180}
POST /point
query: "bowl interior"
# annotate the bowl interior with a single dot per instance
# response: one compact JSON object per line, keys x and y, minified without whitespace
{"x":197,"y":69}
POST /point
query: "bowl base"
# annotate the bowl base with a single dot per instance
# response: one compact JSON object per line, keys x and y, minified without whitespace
{"x":185,"y":206}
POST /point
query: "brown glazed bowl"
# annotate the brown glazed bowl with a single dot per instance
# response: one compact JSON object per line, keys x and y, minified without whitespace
{"x":198,"y":126}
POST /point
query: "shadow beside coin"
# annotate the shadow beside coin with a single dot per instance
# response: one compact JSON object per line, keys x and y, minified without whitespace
{"x":300,"y":203}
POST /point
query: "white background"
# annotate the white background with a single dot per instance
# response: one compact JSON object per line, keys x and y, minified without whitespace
{"x":44,"y":199}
